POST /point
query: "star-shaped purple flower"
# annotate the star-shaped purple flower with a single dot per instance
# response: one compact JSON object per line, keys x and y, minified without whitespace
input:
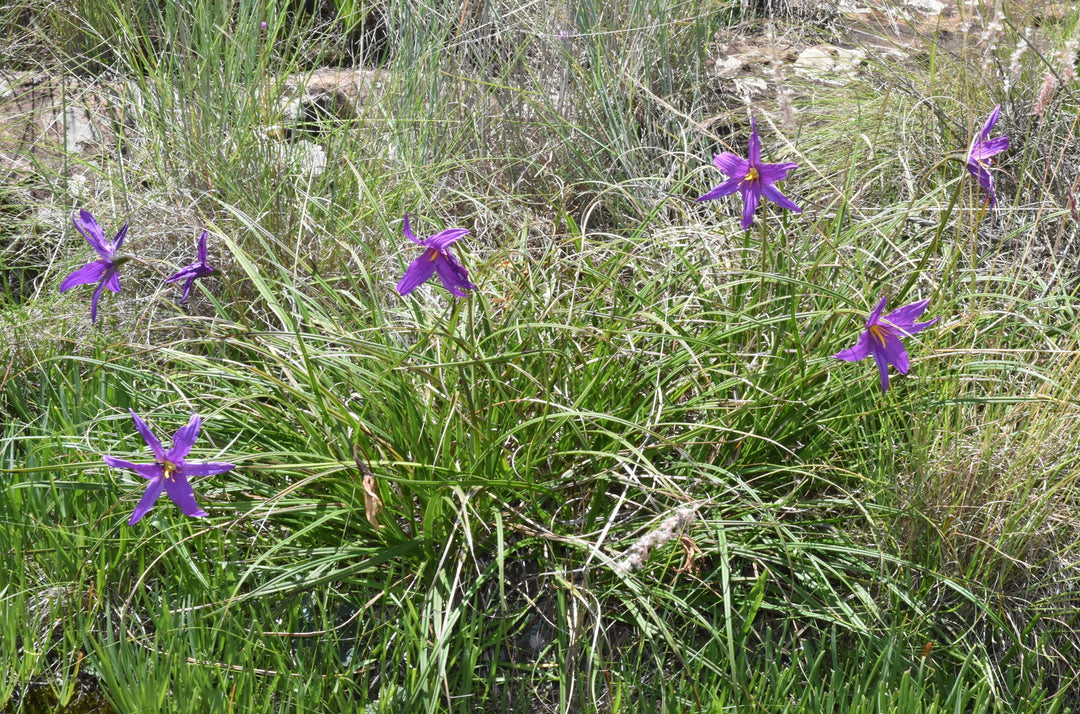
{"x":436,"y":259}
{"x":198,"y":269}
{"x":105,"y":269}
{"x":752,"y":179}
{"x":882,"y":338}
{"x":982,"y":149}
{"x":169,"y":471}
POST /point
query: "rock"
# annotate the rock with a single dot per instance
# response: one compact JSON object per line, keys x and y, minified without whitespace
{"x":748,"y":67}
{"x":829,"y":63}
{"x":43,"y":117}
{"x":340,"y":93}
{"x":927,"y":7}
{"x":80,"y":132}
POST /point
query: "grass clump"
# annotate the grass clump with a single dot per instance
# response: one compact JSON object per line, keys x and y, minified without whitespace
{"x":625,"y":473}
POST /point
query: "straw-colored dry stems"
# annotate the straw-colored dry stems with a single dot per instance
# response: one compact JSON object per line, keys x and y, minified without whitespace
{"x":669,"y":529}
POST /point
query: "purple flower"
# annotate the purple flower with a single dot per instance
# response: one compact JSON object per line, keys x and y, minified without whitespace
{"x":982,"y":149}
{"x":752,"y":179}
{"x":169,"y":471}
{"x":436,"y":259}
{"x":198,"y":269}
{"x":882,"y":338}
{"x":104,"y":270}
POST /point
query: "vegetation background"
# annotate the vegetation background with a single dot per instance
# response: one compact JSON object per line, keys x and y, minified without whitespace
{"x":625,"y":475}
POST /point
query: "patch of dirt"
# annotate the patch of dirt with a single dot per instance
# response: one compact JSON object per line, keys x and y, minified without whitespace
{"x":67,"y":124}
{"x":50,"y":120}
{"x":751,"y":60}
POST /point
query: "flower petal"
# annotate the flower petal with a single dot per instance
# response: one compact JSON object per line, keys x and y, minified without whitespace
{"x":148,"y":437}
{"x":89,"y":273}
{"x":441,"y":240}
{"x":883,"y":368}
{"x":990,"y":121}
{"x":751,"y":194}
{"x":989,"y":148}
{"x":408,"y":232}
{"x":118,"y":239}
{"x":754,"y":155}
{"x":920,"y":326}
{"x":187,"y":288}
{"x":418,"y":271}
{"x":184,"y":439}
{"x":454,"y":275}
{"x":985,"y":179}
{"x":860,"y":350}
{"x":147,"y":471}
{"x":183,"y":495}
{"x":210,"y":468}
{"x":191,"y":272}
{"x":771,"y":173}
{"x":773,"y":194}
{"x":731,"y":164}
{"x":111,"y":279}
{"x":725,"y":189}
{"x":188,"y":271}
{"x":904,"y":317}
{"x":94,"y":301}
{"x":875,"y":314}
{"x":149,"y":498}
{"x":893,"y":351}
{"x":202,"y":247}
{"x":88,"y":226}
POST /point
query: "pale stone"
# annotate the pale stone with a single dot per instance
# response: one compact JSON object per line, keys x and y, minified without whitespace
{"x":930,"y":7}
{"x":829,"y":63}
{"x":79,"y":131}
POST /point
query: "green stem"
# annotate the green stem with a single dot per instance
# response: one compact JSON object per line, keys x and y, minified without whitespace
{"x":932,"y":248}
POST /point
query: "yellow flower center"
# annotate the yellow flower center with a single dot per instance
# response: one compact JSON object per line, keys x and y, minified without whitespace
{"x":879,"y":333}
{"x":170,"y":469}
{"x":752,"y":175}
{"x":433,"y":254}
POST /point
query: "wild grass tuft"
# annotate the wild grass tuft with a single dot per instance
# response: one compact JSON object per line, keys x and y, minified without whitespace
{"x":625,"y":474}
